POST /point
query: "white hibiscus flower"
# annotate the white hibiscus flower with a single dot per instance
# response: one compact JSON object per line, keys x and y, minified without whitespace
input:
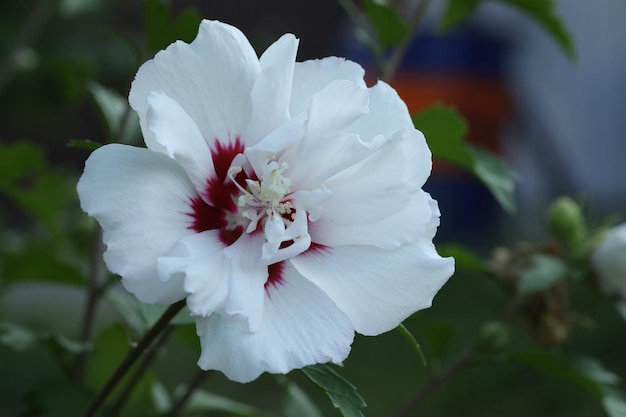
{"x":609,"y":263}
{"x":283,"y":200}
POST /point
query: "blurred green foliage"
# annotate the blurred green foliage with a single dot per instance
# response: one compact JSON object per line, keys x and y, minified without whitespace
{"x":65,"y":70}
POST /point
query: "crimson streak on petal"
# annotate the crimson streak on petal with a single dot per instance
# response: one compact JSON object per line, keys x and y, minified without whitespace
{"x":223,"y":155}
{"x":217,"y":208}
{"x":275,"y":276}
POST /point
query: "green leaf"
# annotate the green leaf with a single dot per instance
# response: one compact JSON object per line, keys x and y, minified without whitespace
{"x":342,"y":394}
{"x":544,"y":13}
{"x":297,"y":403}
{"x":160,"y":30}
{"x":203,"y":401}
{"x":38,"y":262}
{"x":129,"y":308}
{"x":141,"y":316}
{"x":58,"y":398}
{"x":18,"y":160}
{"x":455,"y":12}
{"x":614,"y":403}
{"x":445,"y":130}
{"x":621,"y":308}
{"x":588,"y":373}
{"x":17,"y":337}
{"x":87,"y":144}
{"x":121,"y":122}
{"x":153,"y":312}
{"x":46,"y":197}
{"x":186,"y":24}
{"x":388,"y":25}
{"x":496,"y":175}
{"x":439,"y":335}
{"x":545,"y":272}
{"x":411,"y":339}
{"x":463,"y":258}
{"x":541,"y":11}
{"x":20,"y":338}
{"x":110,"y":347}
{"x":156,"y":25}
{"x":161,"y":397}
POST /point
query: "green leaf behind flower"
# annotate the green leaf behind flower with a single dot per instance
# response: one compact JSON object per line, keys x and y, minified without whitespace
{"x":455,"y":12}
{"x":86,"y":144}
{"x":544,"y":13}
{"x":122,"y":124}
{"x":585,"y":372}
{"x":339,"y":390}
{"x":58,"y":398}
{"x":541,"y":11}
{"x":463,"y":258}
{"x":202,"y":401}
{"x":161,"y":29}
{"x":545,"y":271}
{"x":445,"y":130}
{"x":495,"y":173}
{"x":297,"y":403}
{"x":390,"y":28}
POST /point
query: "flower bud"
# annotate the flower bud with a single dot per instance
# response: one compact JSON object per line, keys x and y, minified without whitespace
{"x":609,"y":262}
{"x":493,"y":336}
{"x":567,"y":222}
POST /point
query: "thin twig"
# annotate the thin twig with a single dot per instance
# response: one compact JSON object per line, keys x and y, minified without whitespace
{"x":132,"y":357}
{"x":194,"y":384}
{"x":436,"y":380}
{"x":354,"y":13}
{"x":459,"y":363}
{"x":141,"y":369}
{"x":391,"y":66}
{"x":94,"y":288}
{"x":93,"y":291}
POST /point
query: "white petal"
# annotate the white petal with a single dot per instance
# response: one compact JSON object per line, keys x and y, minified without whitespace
{"x":249,"y":274}
{"x":413,"y":222}
{"x":300,"y":327}
{"x":274,"y":144}
{"x":180,"y":137}
{"x":381,"y":184}
{"x":211,"y":78}
{"x":376,"y":288}
{"x":335,"y":107}
{"x":142,"y":200}
{"x":609,"y":261}
{"x":272,"y":90}
{"x":313,"y":160}
{"x":323,"y":150}
{"x":431,"y":227}
{"x":388,"y":113}
{"x":312,"y":76}
{"x":206,"y":270}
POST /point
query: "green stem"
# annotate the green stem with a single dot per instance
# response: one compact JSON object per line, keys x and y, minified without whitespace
{"x":143,"y":366}
{"x":436,"y":380}
{"x":193,"y":385}
{"x":93,"y":292}
{"x":132,"y":356}
{"x":453,"y":368}
{"x":390,"y":68}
